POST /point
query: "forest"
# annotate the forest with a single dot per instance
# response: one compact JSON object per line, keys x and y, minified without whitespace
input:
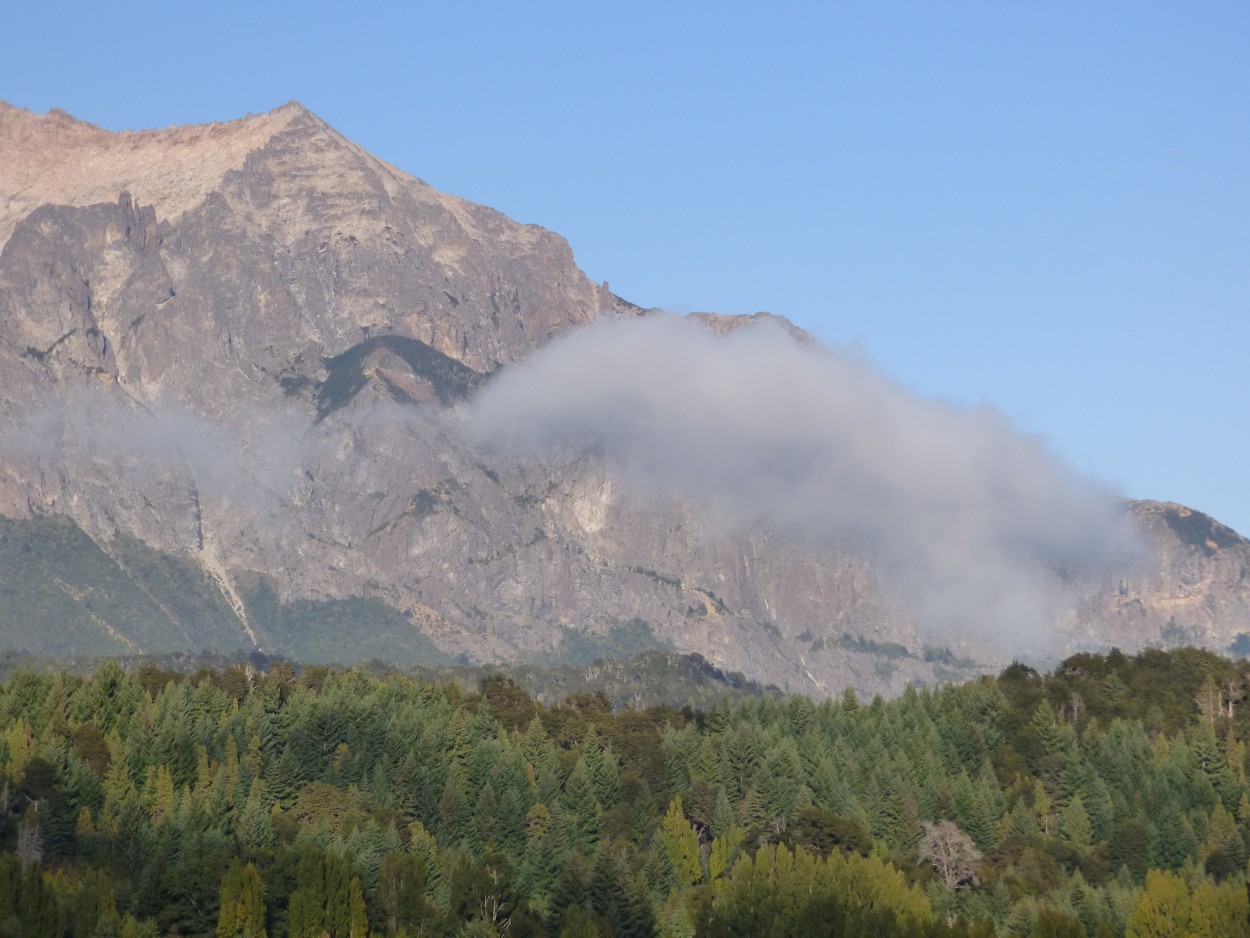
{"x":1107,"y":798}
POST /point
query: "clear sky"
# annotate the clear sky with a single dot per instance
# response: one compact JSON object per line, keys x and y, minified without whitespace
{"x":1043,"y":207}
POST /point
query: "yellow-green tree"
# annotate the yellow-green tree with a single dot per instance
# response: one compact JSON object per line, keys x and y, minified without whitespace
{"x":724,"y":851}
{"x":681,"y":845}
{"x":779,"y":892}
{"x":1219,"y":911}
{"x":242,"y":913}
{"x":1163,"y":908}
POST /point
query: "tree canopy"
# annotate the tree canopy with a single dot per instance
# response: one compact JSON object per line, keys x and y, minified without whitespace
{"x":1109,"y":797}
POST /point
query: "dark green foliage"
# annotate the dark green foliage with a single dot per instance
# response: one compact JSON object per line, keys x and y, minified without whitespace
{"x":622,"y":641}
{"x":885,"y":649}
{"x":654,"y":680}
{"x":28,"y":906}
{"x":327,"y":801}
{"x":327,"y":899}
{"x":507,"y":702}
{"x":402,"y":883}
{"x":1051,"y":923}
{"x":319,"y":631}
{"x":61,"y":594}
{"x":1155,"y":687}
{"x":824,"y":832}
{"x":616,"y":897}
{"x":571,"y":890}
{"x":185,"y":593}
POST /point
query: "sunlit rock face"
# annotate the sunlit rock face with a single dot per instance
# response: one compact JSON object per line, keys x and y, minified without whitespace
{"x":250,"y":346}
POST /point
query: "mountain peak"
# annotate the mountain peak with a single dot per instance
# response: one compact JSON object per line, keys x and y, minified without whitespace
{"x":57,"y":158}
{"x":1192,"y":527}
{"x":295,"y":112}
{"x":723,"y":324}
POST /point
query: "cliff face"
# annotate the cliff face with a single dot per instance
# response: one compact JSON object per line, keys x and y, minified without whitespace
{"x":1192,"y":587}
{"x":204,"y":332}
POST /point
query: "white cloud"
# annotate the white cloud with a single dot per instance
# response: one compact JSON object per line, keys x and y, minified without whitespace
{"x":973,"y":523}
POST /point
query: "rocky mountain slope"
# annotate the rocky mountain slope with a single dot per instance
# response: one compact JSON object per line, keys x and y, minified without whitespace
{"x":233,"y":361}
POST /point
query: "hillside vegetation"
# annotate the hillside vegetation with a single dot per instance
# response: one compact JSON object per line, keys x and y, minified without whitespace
{"x":1107,"y":798}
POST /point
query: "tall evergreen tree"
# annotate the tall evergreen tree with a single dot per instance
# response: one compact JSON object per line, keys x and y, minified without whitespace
{"x":680,"y":845}
{"x":242,"y":909}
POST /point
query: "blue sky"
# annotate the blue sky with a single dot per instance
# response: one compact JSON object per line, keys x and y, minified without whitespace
{"x":1044,"y":207}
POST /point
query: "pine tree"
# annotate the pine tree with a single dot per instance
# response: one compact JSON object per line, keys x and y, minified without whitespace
{"x":1174,"y":841}
{"x":1020,"y":824}
{"x":540,"y":862}
{"x":681,"y":846}
{"x":1100,"y":807}
{"x":1209,"y":701}
{"x":1043,"y":806}
{"x":454,"y":810}
{"x":677,"y":748}
{"x":571,"y":888}
{"x":605,"y":890}
{"x":253,"y":827}
{"x":576,"y":923}
{"x":724,"y":851}
{"x":357,"y":916}
{"x":423,"y":846}
{"x":1074,"y":825}
{"x":284,"y":777}
{"x":510,"y":826}
{"x":161,"y":793}
{"x":92,"y":907}
{"x":850,"y":700}
{"x":38,"y":912}
{"x":19,"y":741}
{"x":582,"y":806}
{"x":485,"y":817}
{"x":327,"y":899}
{"x":1113,"y":690}
{"x":722,"y":815}
{"x":780,"y":778}
{"x":614,"y":895}
{"x":254,"y":758}
{"x":743,"y":758}
{"x":752,"y":811}
{"x":707,"y":761}
{"x":719,"y":717}
{"x":607,"y":778}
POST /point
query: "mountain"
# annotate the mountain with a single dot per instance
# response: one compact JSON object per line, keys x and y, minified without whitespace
{"x":234,"y":361}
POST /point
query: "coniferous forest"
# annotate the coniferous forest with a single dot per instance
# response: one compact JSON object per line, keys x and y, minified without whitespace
{"x":1107,"y":798}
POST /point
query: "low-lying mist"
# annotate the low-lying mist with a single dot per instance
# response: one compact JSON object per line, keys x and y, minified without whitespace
{"x":142,"y":444}
{"x":976,"y":527}
{"x":978,"y":531}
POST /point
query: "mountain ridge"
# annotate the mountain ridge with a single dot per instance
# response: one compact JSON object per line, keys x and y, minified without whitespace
{"x":215,"y":369}
{"x":57,"y":158}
